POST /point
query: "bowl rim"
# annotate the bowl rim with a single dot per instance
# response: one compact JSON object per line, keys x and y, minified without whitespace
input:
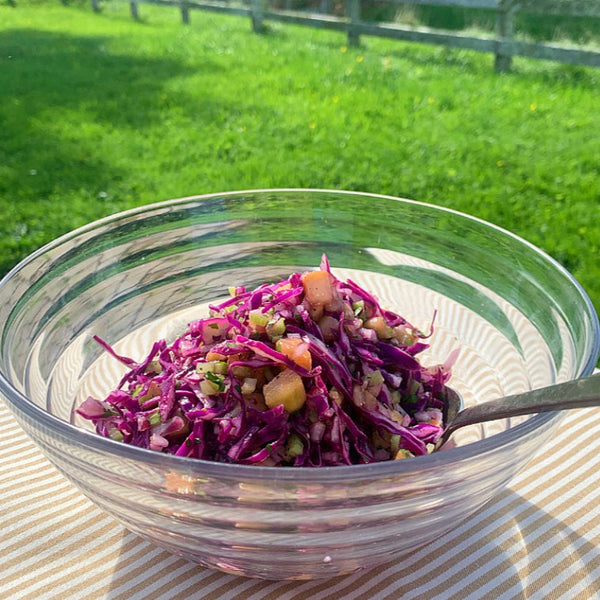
{"x":21,"y":405}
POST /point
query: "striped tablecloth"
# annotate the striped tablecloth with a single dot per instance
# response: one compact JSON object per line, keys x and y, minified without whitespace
{"x":539,"y":538}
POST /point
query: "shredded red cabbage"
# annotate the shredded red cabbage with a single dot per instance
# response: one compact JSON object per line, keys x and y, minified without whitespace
{"x":310,"y":371}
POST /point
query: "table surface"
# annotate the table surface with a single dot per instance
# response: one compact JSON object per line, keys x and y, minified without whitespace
{"x":539,"y":538}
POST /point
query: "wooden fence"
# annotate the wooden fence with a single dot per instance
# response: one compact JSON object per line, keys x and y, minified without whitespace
{"x":503,"y":44}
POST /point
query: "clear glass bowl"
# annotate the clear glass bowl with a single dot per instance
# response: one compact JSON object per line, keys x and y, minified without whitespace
{"x":520,"y":320}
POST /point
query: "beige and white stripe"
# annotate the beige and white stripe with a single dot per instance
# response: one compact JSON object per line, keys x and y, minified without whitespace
{"x":538,"y":539}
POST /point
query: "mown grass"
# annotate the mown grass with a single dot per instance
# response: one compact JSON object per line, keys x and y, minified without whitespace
{"x":99,"y":113}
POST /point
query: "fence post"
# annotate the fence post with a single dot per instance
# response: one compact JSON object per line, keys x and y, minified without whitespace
{"x":326,"y":7}
{"x":185,"y":13}
{"x":258,"y":16}
{"x":133,"y":10}
{"x":353,"y":11}
{"x":96,"y":6}
{"x":505,"y":28}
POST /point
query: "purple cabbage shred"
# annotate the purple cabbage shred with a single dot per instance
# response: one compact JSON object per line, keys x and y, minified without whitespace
{"x":307,"y":372}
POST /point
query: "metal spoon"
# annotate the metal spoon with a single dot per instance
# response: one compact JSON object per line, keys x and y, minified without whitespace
{"x":578,"y":393}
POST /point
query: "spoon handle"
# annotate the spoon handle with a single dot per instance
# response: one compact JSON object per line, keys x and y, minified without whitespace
{"x":578,"y":393}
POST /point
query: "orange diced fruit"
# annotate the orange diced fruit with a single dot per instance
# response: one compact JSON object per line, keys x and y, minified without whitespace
{"x":318,"y":287}
{"x":286,"y":388}
{"x":402,"y":454}
{"x":182,"y":484}
{"x":295,"y":349}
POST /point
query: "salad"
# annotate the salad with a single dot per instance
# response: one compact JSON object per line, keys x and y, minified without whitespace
{"x":310,"y":371}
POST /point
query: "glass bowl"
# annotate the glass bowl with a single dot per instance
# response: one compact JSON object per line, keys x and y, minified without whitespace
{"x":520,"y":320}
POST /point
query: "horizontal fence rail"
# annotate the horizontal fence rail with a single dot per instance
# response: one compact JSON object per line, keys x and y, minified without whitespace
{"x":502,"y":44}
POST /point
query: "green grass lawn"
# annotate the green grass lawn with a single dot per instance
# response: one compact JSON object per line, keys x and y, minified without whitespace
{"x":99,"y":113}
